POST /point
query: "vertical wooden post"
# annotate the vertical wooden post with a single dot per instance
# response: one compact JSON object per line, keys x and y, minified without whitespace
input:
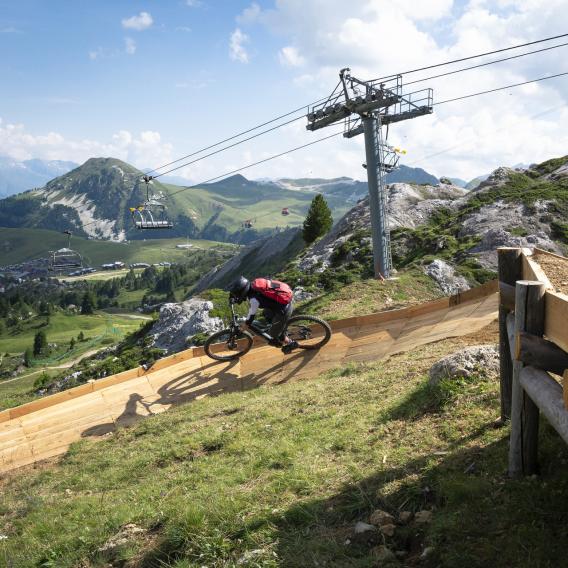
{"x":529,"y":317}
{"x":510,"y":270}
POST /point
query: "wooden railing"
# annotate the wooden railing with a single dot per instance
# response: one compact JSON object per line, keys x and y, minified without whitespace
{"x":533,"y":330}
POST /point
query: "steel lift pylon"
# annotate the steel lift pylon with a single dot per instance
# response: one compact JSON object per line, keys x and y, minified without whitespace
{"x":376,"y":104}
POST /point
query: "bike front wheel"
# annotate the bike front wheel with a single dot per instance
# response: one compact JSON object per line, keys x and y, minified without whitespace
{"x":310,"y":332}
{"x":226,"y":345}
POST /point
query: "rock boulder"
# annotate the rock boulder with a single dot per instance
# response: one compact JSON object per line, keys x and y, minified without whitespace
{"x":179,"y":322}
{"x":480,"y":360}
{"x":446,"y":277}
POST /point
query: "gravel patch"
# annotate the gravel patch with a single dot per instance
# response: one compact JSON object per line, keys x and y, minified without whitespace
{"x":556,"y":269}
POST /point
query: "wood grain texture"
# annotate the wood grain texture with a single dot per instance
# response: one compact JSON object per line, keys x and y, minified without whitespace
{"x":510,"y":269}
{"x":556,"y":318}
{"x":538,"y":352}
{"x":529,"y":316}
{"x":547,"y":394}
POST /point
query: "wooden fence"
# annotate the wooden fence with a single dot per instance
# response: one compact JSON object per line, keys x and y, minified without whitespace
{"x":533,"y":342}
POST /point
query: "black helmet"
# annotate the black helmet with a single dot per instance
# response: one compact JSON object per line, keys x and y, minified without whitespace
{"x":239,"y":289}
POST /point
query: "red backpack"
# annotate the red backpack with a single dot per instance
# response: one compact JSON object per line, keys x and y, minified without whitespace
{"x":273,"y":289}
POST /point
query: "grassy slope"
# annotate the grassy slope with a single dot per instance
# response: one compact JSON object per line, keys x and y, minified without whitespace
{"x":265,"y":206}
{"x":280,"y":475}
{"x":17,"y":245}
{"x":20,"y":391}
{"x":63,"y":327}
{"x":369,"y":296}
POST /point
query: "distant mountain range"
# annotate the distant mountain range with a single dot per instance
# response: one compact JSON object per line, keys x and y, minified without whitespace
{"x":17,"y":176}
{"x":94,"y":200}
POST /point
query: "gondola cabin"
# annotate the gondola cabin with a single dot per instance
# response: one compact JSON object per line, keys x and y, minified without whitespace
{"x":285,"y":211}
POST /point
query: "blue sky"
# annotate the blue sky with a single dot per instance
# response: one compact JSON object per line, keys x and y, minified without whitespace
{"x":150,"y":81}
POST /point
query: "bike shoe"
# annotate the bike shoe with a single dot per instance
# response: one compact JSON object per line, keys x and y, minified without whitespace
{"x":275,"y":343}
{"x":287,"y":349}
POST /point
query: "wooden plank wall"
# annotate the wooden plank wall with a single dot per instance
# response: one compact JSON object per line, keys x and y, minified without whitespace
{"x":377,"y":318}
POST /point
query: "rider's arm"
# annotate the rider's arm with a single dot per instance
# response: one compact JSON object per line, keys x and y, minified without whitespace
{"x":254,"y":305}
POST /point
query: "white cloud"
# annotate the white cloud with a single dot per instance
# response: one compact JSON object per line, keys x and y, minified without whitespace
{"x":249,"y":15}
{"x":10,"y":30}
{"x":142,"y":150}
{"x":381,"y":37}
{"x":185,"y":29}
{"x":290,"y":57}
{"x":193,"y":3}
{"x":129,"y":46}
{"x":237,"y":51}
{"x":139,"y":23}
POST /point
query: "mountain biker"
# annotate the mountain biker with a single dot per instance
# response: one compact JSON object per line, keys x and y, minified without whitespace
{"x":264,"y":293}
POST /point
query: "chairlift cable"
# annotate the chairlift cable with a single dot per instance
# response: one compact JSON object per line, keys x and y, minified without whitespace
{"x":301,"y":117}
{"x":485,"y":64}
{"x":472,"y":57}
{"x":227,"y":147}
{"x":260,"y":162}
{"x":501,"y":88}
{"x":338,"y":133}
{"x":323,"y":99}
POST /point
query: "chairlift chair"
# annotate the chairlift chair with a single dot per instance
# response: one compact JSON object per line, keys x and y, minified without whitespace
{"x":285,"y":211}
{"x":248,"y":223}
{"x":152,"y":214}
{"x":65,"y":258}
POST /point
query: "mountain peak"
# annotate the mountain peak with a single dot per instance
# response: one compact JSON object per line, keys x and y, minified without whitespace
{"x":237,"y":178}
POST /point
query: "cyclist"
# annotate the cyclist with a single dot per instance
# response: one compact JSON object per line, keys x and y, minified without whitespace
{"x":272,"y":296}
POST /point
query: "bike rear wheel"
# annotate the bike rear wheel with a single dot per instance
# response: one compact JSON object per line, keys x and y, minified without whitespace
{"x":310,"y":332}
{"x":226,"y":345}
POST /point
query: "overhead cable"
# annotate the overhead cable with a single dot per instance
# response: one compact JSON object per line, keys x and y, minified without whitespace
{"x":323,"y":99}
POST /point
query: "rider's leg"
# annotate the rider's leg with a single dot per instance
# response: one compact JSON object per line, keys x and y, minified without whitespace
{"x":279,"y":325}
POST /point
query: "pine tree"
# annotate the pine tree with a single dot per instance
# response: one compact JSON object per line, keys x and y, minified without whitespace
{"x":40,"y":343}
{"x":318,"y":220}
{"x":28,"y":357}
{"x":88,"y":304}
{"x":81,"y":336}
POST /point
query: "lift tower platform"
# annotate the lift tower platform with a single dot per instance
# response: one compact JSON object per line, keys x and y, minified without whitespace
{"x":376,"y":103}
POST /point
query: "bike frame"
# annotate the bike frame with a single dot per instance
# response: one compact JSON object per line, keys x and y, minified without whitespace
{"x":235,"y":327}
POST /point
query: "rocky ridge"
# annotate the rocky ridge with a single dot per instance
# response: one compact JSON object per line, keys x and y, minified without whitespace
{"x":500,"y":222}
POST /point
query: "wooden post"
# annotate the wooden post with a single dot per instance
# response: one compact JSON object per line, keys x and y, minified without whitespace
{"x":529,"y":316}
{"x":510,"y":270}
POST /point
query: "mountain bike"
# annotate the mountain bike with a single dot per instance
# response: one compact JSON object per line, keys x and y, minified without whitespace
{"x":310,"y":332}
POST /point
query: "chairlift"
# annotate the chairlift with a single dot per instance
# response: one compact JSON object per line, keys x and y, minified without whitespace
{"x":248,"y":223}
{"x":285,"y":211}
{"x":65,"y":258}
{"x":151,"y":214}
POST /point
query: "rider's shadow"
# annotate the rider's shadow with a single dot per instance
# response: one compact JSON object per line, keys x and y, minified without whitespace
{"x":202,"y":382}
{"x":282,"y":372}
{"x":128,"y":416}
{"x":184,"y":388}
{"x":199,"y":383}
